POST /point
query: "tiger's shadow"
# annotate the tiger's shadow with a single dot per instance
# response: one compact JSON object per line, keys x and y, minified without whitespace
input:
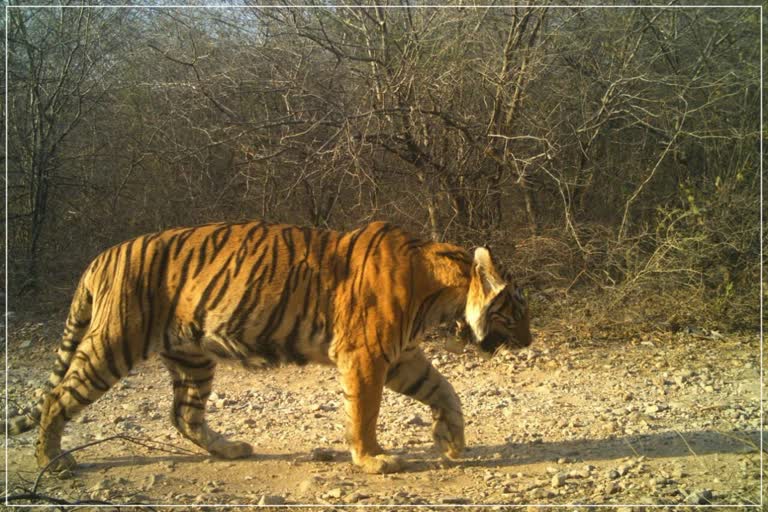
{"x":666,"y":444}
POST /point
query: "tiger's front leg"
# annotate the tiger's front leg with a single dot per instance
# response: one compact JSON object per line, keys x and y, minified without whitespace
{"x":362,"y":380}
{"x":414,"y":376}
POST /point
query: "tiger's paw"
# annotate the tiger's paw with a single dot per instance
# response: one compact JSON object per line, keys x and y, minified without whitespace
{"x":448,"y":433}
{"x":380,"y":464}
{"x":230,"y":449}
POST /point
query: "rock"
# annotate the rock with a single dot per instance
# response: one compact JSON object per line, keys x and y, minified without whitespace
{"x":699,"y":497}
{"x":337,"y":492}
{"x":271,"y":499}
{"x":578,"y":473}
{"x":355,"y":497}
{"x":613,"y":474}
{"x":655,"y":408}
{"x":559,"y":480}
{"x":541,"y":493}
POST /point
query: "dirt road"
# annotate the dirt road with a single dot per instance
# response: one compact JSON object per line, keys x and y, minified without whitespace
{"x":657,"y":419}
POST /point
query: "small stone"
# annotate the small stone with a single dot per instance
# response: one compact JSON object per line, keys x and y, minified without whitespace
{"x":559,"y":480}
{"x":613,"y":474}
{"x":335,"y":493}
{"x":355,"y":497}
{"x":699,"y":497}
{"x":271,"y":499}
{"x":100,"y":485}
{"x":578,"y":473}
{"x":541,"y":493}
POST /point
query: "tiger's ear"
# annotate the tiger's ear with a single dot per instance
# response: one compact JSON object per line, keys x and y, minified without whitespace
{"x":484,"y":271}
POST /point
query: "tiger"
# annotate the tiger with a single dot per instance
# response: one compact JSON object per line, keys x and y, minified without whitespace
{"x":262,"y":295}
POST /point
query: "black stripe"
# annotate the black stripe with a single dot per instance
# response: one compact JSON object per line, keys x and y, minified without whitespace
{"x":422,"y":312}
{"x":90,"y":372}
{"x":181,"y":239}
{"x":242,"y":251}
{"x":175,"y":301}
{"x":191,"y":383}
{"x":200,"y":309}
{"x":426,"y":398}
{"x":293,"y":355}
{"x":288,"y":239}
{"x":260,"y":240}
{"x":416,"y":386}
{"x":373,"y":244}
{"x":109,"y":354}
{"x":127,"y":342}
{"x":414,"y":243}
{"x":147,"y":313}
{"x":458,"y":256}
{"x":222,"y":291}
{"x":350,"y":248}
{"x":249,"y":298}
{"x":307,"y":241}
{"x":273,"y":263}
{"x":185,"y":403}
{"x":218,"y":245}
{"x":179,"y":359}
{"x":77,"y":396}
{"x":201,"y":257}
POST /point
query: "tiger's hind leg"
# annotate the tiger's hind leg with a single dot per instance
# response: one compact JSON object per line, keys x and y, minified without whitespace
{"x":95,"y":367}
{"x":192,"y":375}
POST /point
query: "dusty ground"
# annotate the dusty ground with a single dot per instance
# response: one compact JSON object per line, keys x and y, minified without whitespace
{"x":666,"y":418}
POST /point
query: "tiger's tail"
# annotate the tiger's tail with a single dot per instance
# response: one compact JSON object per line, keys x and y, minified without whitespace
{"x":78,"y":321}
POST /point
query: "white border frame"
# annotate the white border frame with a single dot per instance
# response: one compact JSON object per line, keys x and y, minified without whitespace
{"x":320,"y":505}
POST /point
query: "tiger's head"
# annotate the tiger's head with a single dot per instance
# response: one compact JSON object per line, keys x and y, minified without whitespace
{"x":496,"y":311}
